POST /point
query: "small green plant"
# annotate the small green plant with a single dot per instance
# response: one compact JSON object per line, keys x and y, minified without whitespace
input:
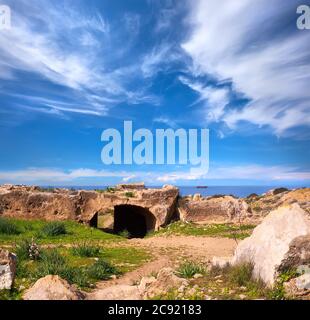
{"x":125,"y":234}
{"x":129,"y":194}
{"x":53,"y":229}
{"x":7,"y":227}
{"x":85,"y":249}
{"x":102,"y":270}
{"x":188,"y":269}
{"x":278,"y":291}
{"x":110,"y":189}
{"x":241,"y":274}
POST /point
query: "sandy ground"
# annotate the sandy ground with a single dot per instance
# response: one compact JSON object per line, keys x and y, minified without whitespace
{"x":170,"y":251}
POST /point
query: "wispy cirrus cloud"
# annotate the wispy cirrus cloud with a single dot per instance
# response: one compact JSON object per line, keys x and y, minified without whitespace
{"x":251,"y":44}
{"x":72,"y":49}
{"x":215,"y":99}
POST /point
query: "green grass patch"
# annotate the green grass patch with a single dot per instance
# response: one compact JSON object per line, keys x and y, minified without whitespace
{"x":211,"y":230}
{"x":235,"y":278}
{"x":85,"y":249}
{"x":10,"y":295}
{"x":7,"y":227}
{"x":102,"y":270}
{"x":75,"y":232}
{"x":54,"y":229}
{"x":84,"y":271}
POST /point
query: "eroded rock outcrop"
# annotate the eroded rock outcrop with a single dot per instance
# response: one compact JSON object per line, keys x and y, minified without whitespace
{"x":52,"y":288}
{"x":273,"y":199}
{"x":84,"y":206}
{"x":7,"y":269}
{"x":219,"y":209}
{"x":279,"y":243}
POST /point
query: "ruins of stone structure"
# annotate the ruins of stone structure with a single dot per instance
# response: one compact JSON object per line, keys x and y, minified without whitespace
{"x":116,"y":209}
{"x":138,"y":209}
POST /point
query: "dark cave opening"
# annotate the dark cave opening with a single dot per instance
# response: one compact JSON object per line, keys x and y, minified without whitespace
{"x":137,"y":221}
{"x":94,"y":221}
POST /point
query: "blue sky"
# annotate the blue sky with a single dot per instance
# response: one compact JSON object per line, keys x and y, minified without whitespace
{"x":70,"y":69}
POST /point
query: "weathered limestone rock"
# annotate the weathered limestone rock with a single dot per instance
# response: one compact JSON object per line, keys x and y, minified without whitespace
{"x":135,"y":186}
{"x":213,"y":209}
{"x":166,"y":280}
{"x":145,"y":283}
{"x":278,"y":243}
{"x":116,"y":292}
{"x":298,"y":287}
{"x":263,"y":205}
{"x":7,"y":269}
{"x":52,"y":288}
{"x":85,"y":206}
{"x":297,"y":255}
{"x":149,"y":287}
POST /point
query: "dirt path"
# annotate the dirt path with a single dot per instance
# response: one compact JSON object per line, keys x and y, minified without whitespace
{"x":170,"y":251}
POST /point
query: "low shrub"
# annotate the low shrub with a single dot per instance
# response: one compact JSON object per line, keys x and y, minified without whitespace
{"x":102,"y":270}
{"x":129,"y":194}
{"x":189,"y":269}
{"x":53,"y":229}
{"x":52,"y":262}
{"x":8,"y":227}
{"x":241,"y":274}
{"x":85,"y":250}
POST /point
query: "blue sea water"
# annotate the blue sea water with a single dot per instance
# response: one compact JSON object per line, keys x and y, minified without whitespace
{"x":238,"y":191}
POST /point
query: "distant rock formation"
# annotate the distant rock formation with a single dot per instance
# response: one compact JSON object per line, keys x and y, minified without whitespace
{"x":216,"y":209}
{"x":155,"y":206}
{"x":138,"y":209}
{"x":262,"y":205}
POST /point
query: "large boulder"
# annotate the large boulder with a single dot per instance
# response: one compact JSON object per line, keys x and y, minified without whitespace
{"x":279,"y":243}
{"x":7,"y":269}
{"x":52,"y":288}
{"x":216,"y":209}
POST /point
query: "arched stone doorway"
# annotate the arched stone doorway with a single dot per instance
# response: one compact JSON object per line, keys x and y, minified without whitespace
{"x":134,"y":219}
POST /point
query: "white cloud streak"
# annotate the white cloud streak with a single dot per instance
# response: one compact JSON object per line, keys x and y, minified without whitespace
{"x":246,"y":172}
{"x":239,"y":41}
{"x":71,"y":49}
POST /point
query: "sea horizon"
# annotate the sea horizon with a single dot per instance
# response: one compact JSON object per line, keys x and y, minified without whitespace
{"x":237,"y":191}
